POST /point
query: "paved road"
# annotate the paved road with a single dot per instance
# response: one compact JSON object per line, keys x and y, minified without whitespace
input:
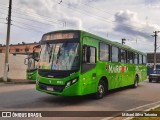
{"x":25,"y":97}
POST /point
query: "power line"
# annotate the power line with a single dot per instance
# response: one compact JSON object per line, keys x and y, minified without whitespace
{"x":97,"y":16}
{"x":72,"y":24}
{"x":3,"y":18}
{"x":27,"y":24}
{"x":3,"y":23}
{"x":28,"y":29}
{"x":39,"y":17}
{"x":32,"y":20}
{"x":138,"y":43}
{"x":33,"y":14}
{"x":3,"y":8}
{"x":104,"y":19}
{"x":102,"y":11}
{"x":48,"y":20}
{"x":13,"y":16}
{"x":87,"y":5}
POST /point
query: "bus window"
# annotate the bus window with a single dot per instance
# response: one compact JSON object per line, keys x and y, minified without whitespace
{"x":89,"y":58}
{"x":140,"y":59}
{"x":123,"y":56}
{"x":130,"y":57}
{"x":144,"y":59}
{"x":135,"y":58}
{"x":104,"y":52}
{"x":114,"y":54}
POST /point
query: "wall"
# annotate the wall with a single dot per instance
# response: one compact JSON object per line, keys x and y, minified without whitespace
{"x":16,"y":65}
{"x":21,"y":47}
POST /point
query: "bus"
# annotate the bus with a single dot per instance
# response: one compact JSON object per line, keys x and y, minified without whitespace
{"x":31,"y":63}
{"x":76,"y":63}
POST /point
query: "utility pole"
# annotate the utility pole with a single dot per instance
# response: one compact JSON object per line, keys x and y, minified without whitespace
{"x":155,"y":47}
{"x":6,"y":65}
{"x":123,"y":41}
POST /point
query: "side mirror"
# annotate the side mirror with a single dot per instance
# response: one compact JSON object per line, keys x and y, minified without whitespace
{"x":35,"y":56}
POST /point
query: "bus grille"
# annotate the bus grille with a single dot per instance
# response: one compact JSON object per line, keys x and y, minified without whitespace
{"x":54,"y":88}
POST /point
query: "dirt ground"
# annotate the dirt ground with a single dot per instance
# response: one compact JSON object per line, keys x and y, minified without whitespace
{"x":17,"y":69}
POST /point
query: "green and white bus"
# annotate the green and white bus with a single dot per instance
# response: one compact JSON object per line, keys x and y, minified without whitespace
{"x":31,"y":61}
{"x":75,"y":62}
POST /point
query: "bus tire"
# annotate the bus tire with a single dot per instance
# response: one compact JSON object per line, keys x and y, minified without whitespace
{"x":135,"y":85}
{"x":101,"y":90}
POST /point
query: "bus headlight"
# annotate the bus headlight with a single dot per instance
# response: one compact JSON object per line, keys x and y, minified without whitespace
{"x":71,"y":82}
{"x":68,"y":84}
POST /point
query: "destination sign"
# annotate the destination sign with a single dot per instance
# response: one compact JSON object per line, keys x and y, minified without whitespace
{"x":59,"y":36}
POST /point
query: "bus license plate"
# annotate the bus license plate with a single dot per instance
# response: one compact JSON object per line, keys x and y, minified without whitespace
{"x":49,"y":88}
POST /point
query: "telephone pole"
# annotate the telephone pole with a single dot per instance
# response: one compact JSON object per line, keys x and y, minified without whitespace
{"x":155,"y":47}
{"x":6,"y":65}
{"x":123,"y":41}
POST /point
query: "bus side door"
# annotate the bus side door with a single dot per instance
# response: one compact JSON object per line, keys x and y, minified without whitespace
{"x":88,"y":71}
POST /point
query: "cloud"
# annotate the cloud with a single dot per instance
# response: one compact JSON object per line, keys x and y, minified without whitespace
{"x":72,"y":22}
{"x":127,"y":22}
{"x":151,"y":2}
{"x":94,"y":16}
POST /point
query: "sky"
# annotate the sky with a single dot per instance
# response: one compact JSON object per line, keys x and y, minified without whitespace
{"x":134,"y":20}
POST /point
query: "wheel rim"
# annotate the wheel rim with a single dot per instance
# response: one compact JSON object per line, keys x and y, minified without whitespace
{"x":136,"y":84}
{"x":101,"y":89}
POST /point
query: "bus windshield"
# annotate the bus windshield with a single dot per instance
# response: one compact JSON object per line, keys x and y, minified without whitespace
{"x":31,"y":62}
{"x":59,"y":56}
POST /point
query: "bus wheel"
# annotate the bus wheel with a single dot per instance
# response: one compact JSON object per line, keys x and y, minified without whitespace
{"x":135,"y":85}
{"x":101,"y":90}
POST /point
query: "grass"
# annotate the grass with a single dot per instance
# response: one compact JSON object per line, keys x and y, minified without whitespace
{"x":149,"y":118}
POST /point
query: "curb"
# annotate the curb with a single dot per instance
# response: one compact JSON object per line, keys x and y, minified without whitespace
{"x":17,"y":82}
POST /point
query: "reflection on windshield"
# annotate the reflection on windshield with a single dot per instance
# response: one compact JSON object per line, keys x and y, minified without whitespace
{"x":59,"y":56}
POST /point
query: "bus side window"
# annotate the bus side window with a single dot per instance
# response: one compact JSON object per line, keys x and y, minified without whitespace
{"x":123,"y":56}
{"x":130,"y":57}
{"x":140,"y":59}
{"x":89,"y":58}
{"x":135,"y":58}
{"x":114,"y":54}
{"x":104,"y":52}
{"x":144,"y":59}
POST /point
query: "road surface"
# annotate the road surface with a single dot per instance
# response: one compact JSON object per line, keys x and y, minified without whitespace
{"x":25,"y":97}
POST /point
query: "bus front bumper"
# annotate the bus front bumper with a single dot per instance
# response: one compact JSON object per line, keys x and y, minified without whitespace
{"x":155,"y":77}
{"x":31,"y":75}
{"x":72,"y":90}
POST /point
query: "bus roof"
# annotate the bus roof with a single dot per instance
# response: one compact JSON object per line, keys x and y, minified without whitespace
{"x":117,"y":44}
